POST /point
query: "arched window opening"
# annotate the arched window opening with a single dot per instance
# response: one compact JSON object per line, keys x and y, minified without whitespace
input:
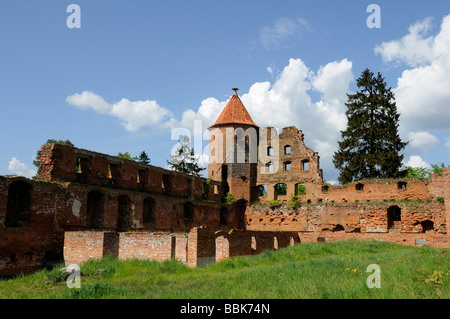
{"x":394,"y":214}
{"x":188,"y":213}
{"x":123,"y":213}
{"x":94,"y":210}
{"x":427,"y":225}
{"x":149,"y":213}
{"x":300,"y":189}
{"x":359,"y":187}
{"x":223,"y":216}
{"x":18,"y":207}
{"x":280,"y":190}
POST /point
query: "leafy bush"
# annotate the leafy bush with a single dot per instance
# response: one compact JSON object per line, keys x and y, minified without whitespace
{"x":229,"y":199}
{"x":295,"y":201}
{"x":274,"y":203}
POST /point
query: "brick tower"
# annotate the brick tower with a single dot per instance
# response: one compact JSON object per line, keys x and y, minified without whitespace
{"x":233,"y":150}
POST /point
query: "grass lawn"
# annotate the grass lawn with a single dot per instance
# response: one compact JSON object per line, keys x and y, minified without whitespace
{"x":316,"y":270}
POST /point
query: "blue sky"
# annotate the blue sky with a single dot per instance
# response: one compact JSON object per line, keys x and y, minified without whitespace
{"x":136,"y":70}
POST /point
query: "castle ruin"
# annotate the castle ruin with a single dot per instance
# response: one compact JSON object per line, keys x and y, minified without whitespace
{"x":88,"y":205}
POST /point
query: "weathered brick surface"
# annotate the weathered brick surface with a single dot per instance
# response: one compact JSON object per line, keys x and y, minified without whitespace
{"x":189,"y":248}
{"x":61,"y":203}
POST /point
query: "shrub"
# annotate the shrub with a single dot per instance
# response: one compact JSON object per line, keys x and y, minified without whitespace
{"x":229,"y":199}
{"x":274,"y":203}
{"x":295,"y":201}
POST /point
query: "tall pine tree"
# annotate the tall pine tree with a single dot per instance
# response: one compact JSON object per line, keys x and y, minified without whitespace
{"x":184,"y":159}
{"x":371,"y":145}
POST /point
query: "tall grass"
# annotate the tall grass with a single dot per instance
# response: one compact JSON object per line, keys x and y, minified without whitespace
{"x":317,"y":270}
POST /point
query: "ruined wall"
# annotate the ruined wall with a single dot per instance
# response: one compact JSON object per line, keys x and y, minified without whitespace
{"x":199,"y":247}
{"x":69,"y":164}
{"x":83,"y":190}
{"x":285,"y":159}
{"x":82,"y":246}
{"x":397,"y":221}
{"x":30,"y":236}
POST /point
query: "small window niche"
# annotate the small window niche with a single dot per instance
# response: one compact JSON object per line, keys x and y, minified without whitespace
{"x":223,"y":216}
{"x":166,"y":184}
{"x":401,"y":185}
{"x":305,"y":165}
{"x":142,"y":178}
{"x":287,"y":150}
{"x":287,"y":166}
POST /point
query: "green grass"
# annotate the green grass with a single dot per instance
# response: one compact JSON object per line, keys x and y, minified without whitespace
{"x":316,"y":270}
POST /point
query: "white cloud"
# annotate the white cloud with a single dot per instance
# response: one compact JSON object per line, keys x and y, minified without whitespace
{"x":423,"y":91}
{"x":286,"y":102}
{"x":20,"y":169}
{"x":447,"y":143}
{"x":133,"y":114}
{"x":89,"y":100}
{"x":422,"y":141}
{"x":284,"y":31}
{"x":413,"y":49}
{"x":417,"y":161}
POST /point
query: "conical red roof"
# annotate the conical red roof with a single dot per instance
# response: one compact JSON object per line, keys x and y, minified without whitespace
{"x":235,"y":113}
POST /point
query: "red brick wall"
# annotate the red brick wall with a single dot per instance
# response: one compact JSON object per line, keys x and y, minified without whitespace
{"x":26,"y":248}
{"x":355,"y":220}
{"x":82,"y":246}
{"x":145,"y":246}
{"x":436,"y":240}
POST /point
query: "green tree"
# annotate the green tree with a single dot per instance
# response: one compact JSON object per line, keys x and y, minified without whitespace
{"x":37,"y":160}
{"x":437,"y":168}
{"x":144,"y":158}
{"x":126,"y":156}
{"x":184,"y":159}
{"x":415,"y":172}
{"x":371,"y":144}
